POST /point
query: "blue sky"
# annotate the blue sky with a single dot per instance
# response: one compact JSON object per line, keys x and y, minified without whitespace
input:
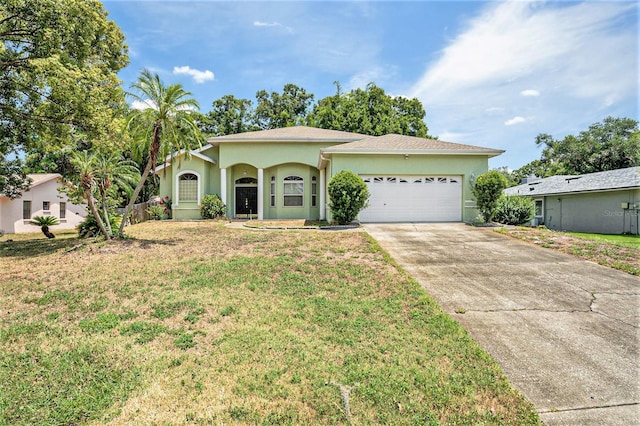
{"x":493,"y":74}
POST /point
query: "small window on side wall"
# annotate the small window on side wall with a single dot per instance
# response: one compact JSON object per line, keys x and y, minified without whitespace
{"x":293,"y":191}
{"x":46,"y":206}
{"x":538,"y":212}
{"x":314,"y":191}
{"x":26,"y":210}
{"x":272,"y":192}
{"x":63,"y":210}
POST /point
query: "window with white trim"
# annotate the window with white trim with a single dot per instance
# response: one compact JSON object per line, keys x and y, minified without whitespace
{"x":314,"y":191}
{"x":46,"y":206}
{"x":272,"y":193}
{"x":539,"y":206}
{"x":26,"y":209}
{"x":188,"y":187}
{"x":63,"y":210}
{"x":293,"y":191}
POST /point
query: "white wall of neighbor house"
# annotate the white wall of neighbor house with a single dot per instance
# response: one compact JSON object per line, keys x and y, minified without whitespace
{"x":613,"y":212}
{"x":45,"y":195}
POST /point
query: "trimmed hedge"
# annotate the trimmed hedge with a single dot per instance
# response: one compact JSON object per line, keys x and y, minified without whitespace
{"x":348,"y":194}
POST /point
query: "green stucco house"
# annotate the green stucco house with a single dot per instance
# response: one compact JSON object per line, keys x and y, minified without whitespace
{"x":283,"y":174}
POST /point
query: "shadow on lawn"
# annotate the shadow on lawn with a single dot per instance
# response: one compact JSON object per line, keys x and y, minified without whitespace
{"x":44,"y":246}
{"x":36,"y":247}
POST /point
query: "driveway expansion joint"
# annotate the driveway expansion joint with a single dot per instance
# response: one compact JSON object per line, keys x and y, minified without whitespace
{"x":591,"y":407}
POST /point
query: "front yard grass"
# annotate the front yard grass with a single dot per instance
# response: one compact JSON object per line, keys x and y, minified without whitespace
{"x":195,"y":323}
{"x":615,"y":251}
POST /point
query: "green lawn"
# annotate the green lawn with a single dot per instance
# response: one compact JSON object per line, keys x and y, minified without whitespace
{"x":195,"y":323}
{"x":632,"y":241}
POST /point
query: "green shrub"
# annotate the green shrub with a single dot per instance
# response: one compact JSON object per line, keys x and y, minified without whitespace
{"x":487,"y":189}
{"x":155,"y":212}
{"x":89,"y":227}
{"x":348,"y":195}
{"x":212,"y":207}
{"x":514,"y":210}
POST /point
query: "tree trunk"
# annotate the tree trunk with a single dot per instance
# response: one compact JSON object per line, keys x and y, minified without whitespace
{"x":153,"y":154}
{"x":136,"y":192}
{"x":46,"y":232}
{"x":107,"y":222}
{"x":94,"y":212}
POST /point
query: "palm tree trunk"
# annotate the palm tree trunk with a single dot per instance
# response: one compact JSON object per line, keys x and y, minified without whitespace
{"x":107,"y":223}
{"x":153,"y":154}
{"x":94,"y":211}
{"x":134,"y":196}
{"x":46,"y":232}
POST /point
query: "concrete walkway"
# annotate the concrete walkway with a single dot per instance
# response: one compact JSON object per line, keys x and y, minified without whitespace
{"x":566,"y":332}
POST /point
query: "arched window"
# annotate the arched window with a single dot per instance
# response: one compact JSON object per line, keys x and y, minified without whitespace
{"x":188,"y":187}
{"x":293,"y":191}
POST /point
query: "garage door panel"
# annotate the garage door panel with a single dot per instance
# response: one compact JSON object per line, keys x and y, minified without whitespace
{"x":413,"y":199}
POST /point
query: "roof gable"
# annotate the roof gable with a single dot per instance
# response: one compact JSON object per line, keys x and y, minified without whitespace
{"x":290,"y":134}
{"x":40,"y":178}
{"x":564,"y":184}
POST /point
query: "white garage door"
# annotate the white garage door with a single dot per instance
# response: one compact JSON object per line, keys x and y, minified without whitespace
{"x":413,"y":199}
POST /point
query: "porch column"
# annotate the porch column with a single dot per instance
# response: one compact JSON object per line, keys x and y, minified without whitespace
{"x":260,"y":194}
{"x":323,"y":189}
{"x":223,"y":188}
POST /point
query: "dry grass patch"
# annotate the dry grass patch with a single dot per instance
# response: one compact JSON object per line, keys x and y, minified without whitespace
{"x":619,"y":252}
{"x":197,"y":323}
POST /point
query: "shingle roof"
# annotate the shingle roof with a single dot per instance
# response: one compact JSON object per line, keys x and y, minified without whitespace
{"x":395,"y":142}
{"x":348,"y":142}
{"x":39,"y":178}
{"x":600,"y":181}
{"x":290,"y":134}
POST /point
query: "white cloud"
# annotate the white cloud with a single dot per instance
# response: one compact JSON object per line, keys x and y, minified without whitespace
{"x":272,"y":24}
{"x":198,"y":76}
{"x":515,"y":120}
{"x":140,"y":105}
{"x":530,"y":92}
{"x":582,"y":56}
{"x":360,"y":80}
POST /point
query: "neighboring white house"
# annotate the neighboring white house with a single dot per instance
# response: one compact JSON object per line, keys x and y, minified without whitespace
{"x":41,"y":199}
{"x":603,"y":202}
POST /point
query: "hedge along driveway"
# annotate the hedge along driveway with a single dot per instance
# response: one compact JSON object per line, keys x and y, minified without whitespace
{"x":565,"y":331}
{"x":195,"y":322}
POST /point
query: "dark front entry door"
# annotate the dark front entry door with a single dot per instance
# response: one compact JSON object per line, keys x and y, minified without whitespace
{"x":246,"y":200}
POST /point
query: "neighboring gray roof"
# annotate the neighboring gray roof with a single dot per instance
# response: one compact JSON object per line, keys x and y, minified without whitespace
{"x":394,"y":143}
{"x":601,"y":181}
{"x":289,"y":134}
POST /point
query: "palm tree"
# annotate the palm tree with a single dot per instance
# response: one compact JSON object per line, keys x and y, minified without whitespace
{"x":166,"y":126}
{"x":85,"y":163}
{"x":44,"y":222}
{"x":111,"y":170}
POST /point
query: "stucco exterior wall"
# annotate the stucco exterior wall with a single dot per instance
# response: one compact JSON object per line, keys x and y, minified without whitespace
{"x":266,"y":154}
{"x":11,"y":220}
{"x":593,"y":212}
{"x":281,"y":159}
{"x":415,"y":164}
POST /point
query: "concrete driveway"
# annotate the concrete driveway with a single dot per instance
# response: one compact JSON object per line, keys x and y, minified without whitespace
{"x":565,"y":331}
